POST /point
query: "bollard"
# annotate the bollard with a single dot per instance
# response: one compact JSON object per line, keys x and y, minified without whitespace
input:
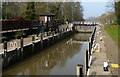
{"x":105,"y":66}
{"x":33,"y":41}
{"x":79,"y":70}
{"x":21,"y":47}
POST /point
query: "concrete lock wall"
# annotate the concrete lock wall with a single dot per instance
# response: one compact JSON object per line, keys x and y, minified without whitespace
{"x":27,"y":50}
{"x":19,"y":54}
{"x":11,"y":57}
{"x":37,"y":46}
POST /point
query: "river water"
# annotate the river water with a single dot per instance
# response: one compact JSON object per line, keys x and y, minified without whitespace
{"x":58,"y":59}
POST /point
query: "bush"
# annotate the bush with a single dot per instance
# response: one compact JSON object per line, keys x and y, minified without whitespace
{"x":19,"y":33}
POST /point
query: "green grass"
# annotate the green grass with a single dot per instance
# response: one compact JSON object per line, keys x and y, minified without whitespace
{"x":114,"y":32}
{"x":112,"y":24}
{"x":3,"y":37}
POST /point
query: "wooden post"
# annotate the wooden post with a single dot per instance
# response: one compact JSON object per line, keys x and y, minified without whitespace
{"x":41,"y":37}
{"x":5,"y":53}
{"x":79,"y":70}
{"x":58,"y":30}
{"x":5,"y":48}
{"x":86,"y":62}
{"x":89,"y":51}
{"x":87,"y":59}
{"x":21,"y":47}
{"x":47,"y":26}
{"x":33,"y":41}
{"x":66,"y":29}
{"x":89,"y":46}
{"x":91,"y":41}
{"x":60,"y":35}
{"x":48,"y":41}
{"x":18,"y":53}
{"x":53,"y":35}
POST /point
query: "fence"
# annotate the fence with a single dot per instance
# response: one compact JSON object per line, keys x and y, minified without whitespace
{"x":13,"y":24}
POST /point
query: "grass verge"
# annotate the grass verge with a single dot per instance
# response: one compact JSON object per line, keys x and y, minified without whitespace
{"x":114,"y":32}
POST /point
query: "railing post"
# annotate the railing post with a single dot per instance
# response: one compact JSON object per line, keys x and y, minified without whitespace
{"x":79,"y":70}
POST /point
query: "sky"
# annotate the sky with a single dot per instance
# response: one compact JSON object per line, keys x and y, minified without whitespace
{"x":94,"y":8}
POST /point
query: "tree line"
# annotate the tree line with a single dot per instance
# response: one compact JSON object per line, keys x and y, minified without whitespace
{"x":117,"y":12}
{"x":65,"y":11}
{"x":112,"y":16}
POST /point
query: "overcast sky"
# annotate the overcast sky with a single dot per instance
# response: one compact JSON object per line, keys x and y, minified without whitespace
{"x":94,"y":8}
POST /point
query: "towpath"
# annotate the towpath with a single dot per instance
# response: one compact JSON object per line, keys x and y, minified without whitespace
{"x":99,"y":57}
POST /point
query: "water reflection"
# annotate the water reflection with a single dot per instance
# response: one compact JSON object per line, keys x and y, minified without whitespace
{"x":82,"y":36}
{"x":59,"y":59}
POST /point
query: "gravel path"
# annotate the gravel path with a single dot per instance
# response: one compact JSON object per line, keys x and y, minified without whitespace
{"x":98,"y":58}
